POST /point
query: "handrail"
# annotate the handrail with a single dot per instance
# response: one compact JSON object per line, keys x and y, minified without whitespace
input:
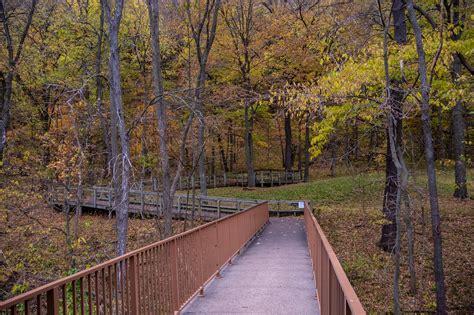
{"x":335,"y":293}
{"x":159,"y":278}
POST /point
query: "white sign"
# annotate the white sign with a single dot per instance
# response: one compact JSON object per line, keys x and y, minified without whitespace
{"x":301,"y":204}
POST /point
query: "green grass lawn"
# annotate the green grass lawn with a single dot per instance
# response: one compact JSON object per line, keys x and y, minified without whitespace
{"x":336,"y":190}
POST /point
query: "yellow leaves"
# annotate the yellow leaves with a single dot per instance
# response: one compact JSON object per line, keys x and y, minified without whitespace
{"x":77,"y":243}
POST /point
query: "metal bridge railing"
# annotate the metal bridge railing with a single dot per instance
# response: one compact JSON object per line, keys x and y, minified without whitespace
{"x":335,"y":293}
{"x":160,"y":278}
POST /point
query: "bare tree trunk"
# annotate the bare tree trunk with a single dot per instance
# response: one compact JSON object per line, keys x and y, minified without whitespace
{"x":225,"y":166}
{"x":429,"y":156}
{"x":205,"y":25}
{"x":249,"y":158}
{"x":167,"y":199}
{"x":288,"y":143}
{"x":306,"y":146}
{"x":99,"y":86}
{"x":121,"y":190}
{"x":454,"y":21}
{"x":458,"y":113}
{"x":389,"y":230}
{"x":169,"y":187}
{"x":395,"y":99}
{"x":299,"y":149}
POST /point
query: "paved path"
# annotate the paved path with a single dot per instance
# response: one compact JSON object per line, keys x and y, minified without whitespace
{"x":272,"y":276}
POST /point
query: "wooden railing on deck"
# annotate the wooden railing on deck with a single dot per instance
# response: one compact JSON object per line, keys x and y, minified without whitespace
{"x":157,"y":279}
{"x":335,"y":293}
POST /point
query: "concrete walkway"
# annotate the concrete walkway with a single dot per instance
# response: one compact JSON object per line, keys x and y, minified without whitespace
{"x":272,"y":276}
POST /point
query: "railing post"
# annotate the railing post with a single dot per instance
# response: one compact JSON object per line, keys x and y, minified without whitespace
{"x":133,"y":290}
{"x":218,"y":209}
{"x":52,"y":298}
{"x":214,"y":178}
{"x":179,"y":206}
{"x":95,"y":197}
{"x":261,"y":179}
{"x":225,"y":179}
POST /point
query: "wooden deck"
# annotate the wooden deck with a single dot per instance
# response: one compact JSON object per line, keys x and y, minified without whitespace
{"x":148,"y":203}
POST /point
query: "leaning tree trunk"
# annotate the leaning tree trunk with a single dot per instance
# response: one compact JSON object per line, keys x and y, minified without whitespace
{"x":389,"y":230}
{"x":430,"y":166}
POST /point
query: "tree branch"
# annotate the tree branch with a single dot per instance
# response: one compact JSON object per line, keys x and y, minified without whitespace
{"x":465,"y":63}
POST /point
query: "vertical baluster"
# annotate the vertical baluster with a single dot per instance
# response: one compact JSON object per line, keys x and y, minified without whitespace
{"x":116,"y":281}
{"x":104,"y":292}
{"x":121,"y":278}
{"x":64,"y":297}
{"x":89,"y":293}
{"x":133,"y":292}
{"x":81,"y":288}
{"x":74,"y":297}
{"x":110,"y":302}
{"x":38,"y":305}
{"x":97,"y":298}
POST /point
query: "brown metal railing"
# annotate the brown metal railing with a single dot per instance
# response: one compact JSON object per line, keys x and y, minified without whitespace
{"x":335,"y":293}
{"x":160,"y":278}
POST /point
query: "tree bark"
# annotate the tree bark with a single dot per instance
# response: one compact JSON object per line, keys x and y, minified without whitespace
{"x":430,"y":167}
{"x":307,"y":144}
{"x":249,"y":158}
{"x":99,"y":87}
{"x":288,"y":143}
{"x":167,"y":199}
{"x":206,"y":24}
{"x":389,"y":230}
{"x":121,"y":190}
{"x":225,"y":166}
{"x":458,"y":112}
{"x":396,"y":95}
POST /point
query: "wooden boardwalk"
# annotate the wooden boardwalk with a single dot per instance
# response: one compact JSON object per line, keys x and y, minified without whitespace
{"x":263,"y":178}
{"x":148,"y":203}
